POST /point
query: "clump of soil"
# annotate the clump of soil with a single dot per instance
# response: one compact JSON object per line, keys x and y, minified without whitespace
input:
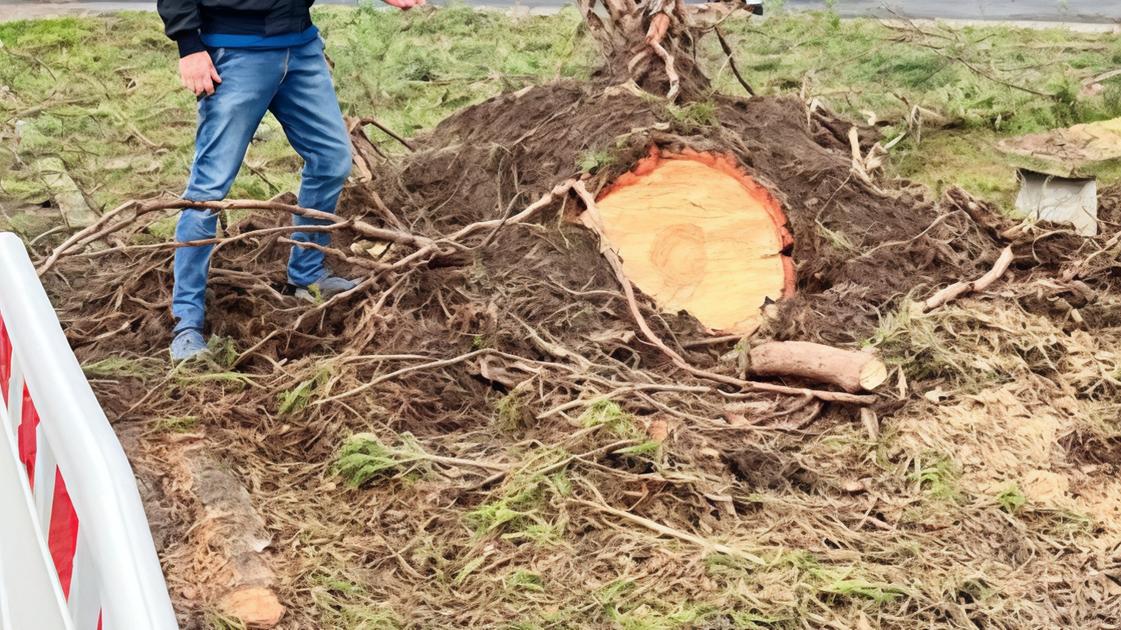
{"x":515,"y":348}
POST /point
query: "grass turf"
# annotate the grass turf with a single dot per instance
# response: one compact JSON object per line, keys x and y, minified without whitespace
{"x":102,"y":93}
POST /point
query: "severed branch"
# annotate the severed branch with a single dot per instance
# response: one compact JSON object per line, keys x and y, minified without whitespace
{"x":956,"y":290}
{"x":851,"y":370}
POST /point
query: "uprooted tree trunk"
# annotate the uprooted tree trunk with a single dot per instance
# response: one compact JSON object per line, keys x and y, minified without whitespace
{"x":652,"y":42}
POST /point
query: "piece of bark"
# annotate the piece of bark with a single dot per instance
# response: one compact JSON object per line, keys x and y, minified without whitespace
{"x":850,"y":370}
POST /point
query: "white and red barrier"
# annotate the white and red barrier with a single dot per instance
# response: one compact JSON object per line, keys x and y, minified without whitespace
{"x":75,"y":548}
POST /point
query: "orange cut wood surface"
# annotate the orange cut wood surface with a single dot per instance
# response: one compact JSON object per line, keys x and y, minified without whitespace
{"x":697,"y":234}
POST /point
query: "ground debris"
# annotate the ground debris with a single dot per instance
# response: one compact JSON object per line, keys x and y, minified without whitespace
{"x":538,"y":459}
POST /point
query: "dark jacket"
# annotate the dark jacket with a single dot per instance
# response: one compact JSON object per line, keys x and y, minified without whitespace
{"x":185,"y":20}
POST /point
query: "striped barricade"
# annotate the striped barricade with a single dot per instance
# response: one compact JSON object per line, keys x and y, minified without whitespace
{"x":75,"y":548}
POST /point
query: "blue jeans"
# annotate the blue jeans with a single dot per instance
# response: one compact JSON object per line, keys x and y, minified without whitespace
{"x":295,"y":85}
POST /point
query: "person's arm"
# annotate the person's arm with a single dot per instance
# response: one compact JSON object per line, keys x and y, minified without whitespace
{"x":404,"y":5}
{"x":181,"y":23}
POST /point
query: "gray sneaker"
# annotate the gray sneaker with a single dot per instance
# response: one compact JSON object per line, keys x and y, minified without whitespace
{"x":188,"y":344}
{"x":327,"y":286}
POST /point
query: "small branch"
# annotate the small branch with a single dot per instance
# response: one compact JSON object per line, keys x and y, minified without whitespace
{"x":363,"y":228}
{"x":370,"y":120}
{"x":330,"y":251}
{"x":732,"y":61}
{"x":955,"y":291}
{"x":87,"y":235}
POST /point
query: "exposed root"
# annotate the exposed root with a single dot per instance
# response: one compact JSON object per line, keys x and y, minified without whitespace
{"x":959,"y":289}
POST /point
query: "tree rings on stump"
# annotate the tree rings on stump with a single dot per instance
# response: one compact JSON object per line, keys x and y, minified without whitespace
{"x":696,"y":233}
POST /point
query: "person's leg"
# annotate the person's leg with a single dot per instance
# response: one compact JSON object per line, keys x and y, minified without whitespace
{"x":308,"y":110}
{"x":226,"y":123}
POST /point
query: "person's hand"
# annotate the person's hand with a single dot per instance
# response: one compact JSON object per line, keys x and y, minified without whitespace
{"x":198,"y":74}
{"x":404,"y":5}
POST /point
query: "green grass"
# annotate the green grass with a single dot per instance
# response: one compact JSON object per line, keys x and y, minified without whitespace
{"x":297,"y":398}
{"x":364,"y":458}
{"x":523,"y":513}
{"x":525,"y":581}
{"x":948,"y":89}
{"x":347,"y":604}
{"x":102,"y":93}
{"x":937,"y":474}
{"x":612,"y":417}
{"x":176,"y":424}
{"x":121,"y":367}
{"x":1011,"y":498}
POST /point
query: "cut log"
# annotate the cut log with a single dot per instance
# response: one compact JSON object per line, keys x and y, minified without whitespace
{"x":850,"y":370}
{"x":695,"y":233}
{"x":255,"y":606}
{"x":233,"y":528}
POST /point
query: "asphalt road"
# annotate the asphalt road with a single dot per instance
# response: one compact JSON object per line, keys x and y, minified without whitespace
{"x":1005,"y":10}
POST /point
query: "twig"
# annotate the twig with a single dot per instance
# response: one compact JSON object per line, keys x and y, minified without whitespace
{"x":82,"y":234}
{"x":55,"y":230}
{"x":209,"y":241}
{"x":732,"y":61}
{"x":552,"y":468}
{"x":412,"y":368}
{"x":370,"y":120}
{"x":938,"y":50}
{"x":956,"y":290}
{"x":329,"y":251}
{"x":625,"y":389}
{"x":363,"y":228}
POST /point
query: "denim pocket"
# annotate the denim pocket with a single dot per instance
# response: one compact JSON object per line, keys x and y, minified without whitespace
{"x":217,"y":55}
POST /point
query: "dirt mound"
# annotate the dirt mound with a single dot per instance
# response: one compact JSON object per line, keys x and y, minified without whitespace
{"x":509,"y":150}
{"x":525,"y":450}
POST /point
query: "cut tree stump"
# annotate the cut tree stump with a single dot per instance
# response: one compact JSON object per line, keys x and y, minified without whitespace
{"x":850,"y":370}
{"x":695,"y":233}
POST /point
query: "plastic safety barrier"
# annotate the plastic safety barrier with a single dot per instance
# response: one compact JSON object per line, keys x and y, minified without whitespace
{"x":75,"y":548}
